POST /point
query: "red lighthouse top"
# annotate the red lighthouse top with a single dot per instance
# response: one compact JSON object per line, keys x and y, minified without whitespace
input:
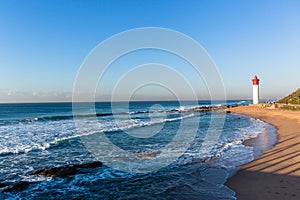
{"x":255,"y":81}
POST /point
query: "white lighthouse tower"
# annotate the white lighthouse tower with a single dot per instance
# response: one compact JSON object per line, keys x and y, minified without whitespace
{"x":255,"y":83}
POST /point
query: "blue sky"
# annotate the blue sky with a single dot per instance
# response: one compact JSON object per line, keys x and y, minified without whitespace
{"x":43,"y":43}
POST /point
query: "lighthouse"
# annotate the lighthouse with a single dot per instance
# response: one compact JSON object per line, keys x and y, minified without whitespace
{"x":255,"y":83}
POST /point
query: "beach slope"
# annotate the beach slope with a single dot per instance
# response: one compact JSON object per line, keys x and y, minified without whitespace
{"x":276,"y":173}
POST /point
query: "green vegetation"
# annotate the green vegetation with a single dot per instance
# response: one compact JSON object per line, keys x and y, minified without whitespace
{"x":290,"y":107}
{"x":293,"y":98}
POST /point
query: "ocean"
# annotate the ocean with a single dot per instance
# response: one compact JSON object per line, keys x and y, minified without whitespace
{"x":149,"y":150}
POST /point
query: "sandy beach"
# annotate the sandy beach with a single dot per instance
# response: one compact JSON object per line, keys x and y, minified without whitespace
{"x":276,"y":173}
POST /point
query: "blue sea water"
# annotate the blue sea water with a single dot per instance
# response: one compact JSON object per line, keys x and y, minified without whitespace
{"x":145,"y":165}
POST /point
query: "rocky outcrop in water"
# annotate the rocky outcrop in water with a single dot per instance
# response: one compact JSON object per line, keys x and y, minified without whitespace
{"x":57,"y":171}
{"x":2,"y":185}
{"x":219,"y":109}
{"x":65,"y":171}
{"x":17,"y":186}
{"x":61,"y":172}
{"x":152,"y":154}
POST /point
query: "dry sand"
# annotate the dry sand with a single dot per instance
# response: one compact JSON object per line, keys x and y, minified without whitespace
{"x":276,"y":173}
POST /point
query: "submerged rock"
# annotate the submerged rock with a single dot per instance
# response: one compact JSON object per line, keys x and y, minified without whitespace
{"x":65,"y":171}
{"x":62,"y":172}
{"x":17,"y":186}
{"x":57,"y":171}
{"x":2,"y":185}
{"x":89,"y":165}
{"x":148,"y":154}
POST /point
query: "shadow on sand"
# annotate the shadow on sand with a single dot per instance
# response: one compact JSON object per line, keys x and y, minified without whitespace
{"x":274,"y":175}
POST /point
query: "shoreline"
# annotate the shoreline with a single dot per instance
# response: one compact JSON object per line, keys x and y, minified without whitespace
{"x":264,"y":141}
{"x":275,"y":173}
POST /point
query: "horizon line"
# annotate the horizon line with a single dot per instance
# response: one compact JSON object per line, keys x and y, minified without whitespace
{"x":122,"y":101}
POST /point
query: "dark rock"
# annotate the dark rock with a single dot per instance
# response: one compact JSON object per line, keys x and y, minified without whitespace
{"x":65,"y":171}
{"x":17,"y":186}
{"x":57,"y":171}
{"x":232,"y":106}
{"x":2,"y":185}
{"x":148,"y":154}
{"x":89,"y":165}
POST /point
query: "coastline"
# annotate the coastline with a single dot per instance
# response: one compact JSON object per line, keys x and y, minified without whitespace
{"x":275,"y":174}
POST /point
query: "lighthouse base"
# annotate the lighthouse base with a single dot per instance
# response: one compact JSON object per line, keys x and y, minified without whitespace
{"x":255,"y":94}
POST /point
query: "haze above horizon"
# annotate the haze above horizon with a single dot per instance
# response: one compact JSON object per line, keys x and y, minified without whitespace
{"x":44,"y":43}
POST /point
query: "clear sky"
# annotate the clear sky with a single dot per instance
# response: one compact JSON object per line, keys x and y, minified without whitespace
{"x":43,"y":43}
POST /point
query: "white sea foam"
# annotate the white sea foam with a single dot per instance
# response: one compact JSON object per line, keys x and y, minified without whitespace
{"x":24,"y":137}
{"x":228,"y":152}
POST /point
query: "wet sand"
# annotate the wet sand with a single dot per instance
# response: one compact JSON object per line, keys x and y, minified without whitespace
{"x":276,"y":173}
